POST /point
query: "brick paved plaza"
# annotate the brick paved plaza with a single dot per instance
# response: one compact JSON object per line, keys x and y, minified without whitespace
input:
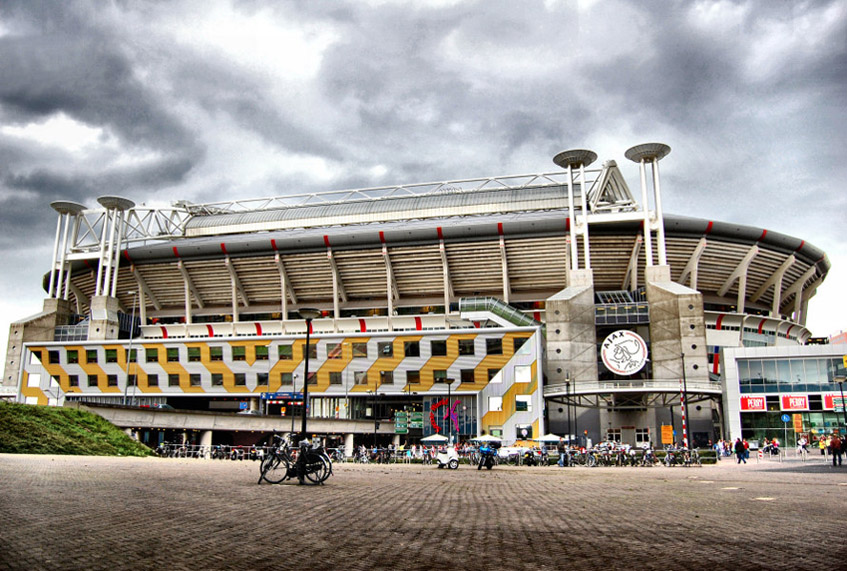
{"x":63,"y":512}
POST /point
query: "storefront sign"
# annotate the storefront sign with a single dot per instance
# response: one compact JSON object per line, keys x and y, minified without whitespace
{"x":624,"y":352}
{"x":798,"y":422}
{"x":833,"y":402}
{"x":753,"y":403}
{"x":795,"y":402}
{"x":667,"y":434}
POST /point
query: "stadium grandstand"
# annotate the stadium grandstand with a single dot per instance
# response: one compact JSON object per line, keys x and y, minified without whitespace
{"x":514,"y":306}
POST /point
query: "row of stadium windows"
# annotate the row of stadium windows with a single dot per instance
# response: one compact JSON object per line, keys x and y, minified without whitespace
{"x":285,"y":352}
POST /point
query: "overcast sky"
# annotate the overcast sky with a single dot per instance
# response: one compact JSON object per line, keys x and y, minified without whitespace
{"x":206,"y":101}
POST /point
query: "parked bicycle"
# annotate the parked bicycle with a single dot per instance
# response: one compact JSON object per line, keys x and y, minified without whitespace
{"x":305,"y":463}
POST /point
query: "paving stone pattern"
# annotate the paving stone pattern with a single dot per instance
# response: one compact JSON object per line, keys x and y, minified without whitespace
{"x":65,"y":512}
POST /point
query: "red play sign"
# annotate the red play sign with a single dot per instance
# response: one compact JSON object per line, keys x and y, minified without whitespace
{"x":795,"y":402}
{"x":753,"y":403}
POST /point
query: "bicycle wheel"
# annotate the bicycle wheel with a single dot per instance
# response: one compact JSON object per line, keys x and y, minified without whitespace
{"x":316,"y":468}
{"x":275,"y":468}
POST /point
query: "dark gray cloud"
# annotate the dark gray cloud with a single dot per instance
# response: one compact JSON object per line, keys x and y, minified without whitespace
{"x":209,"y":101}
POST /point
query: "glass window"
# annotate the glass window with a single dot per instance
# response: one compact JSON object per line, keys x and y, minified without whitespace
{"x":73,"y":356}
{"x":53,"y":357}
{"x":92,"y":380}
{"x":360,"y":350}
{"x":153,"y":380}
{"x":194,"y":354}
{"x":439,"y":375}
{"x":466,"y":346}
{"x":173,"y":354}
{"x":261,"y":379}
{"x":467,"y":375}
{"x":313,"y":351}
{"x":111,"y":380}
{"x":216,"y":353}
{"x":73,"y":381}
{"x":239,"y":353}
{"x":642,"y":435}
{"x":523,"y":373}
{"x":194,"y":379}
{"x":495,"y":404}
{"x":151,"y":355}
{"x":286,"y":379}
{"x":386,"y":349}
{"x":494,"y":346}
{"x":173,"y":379}
{"x":438,"y":348}
{"x":413,"y":377}
{"x":240,"y":379}
{"x":756,"y":372}
{"x":261,"y":352}
{"x":783,"y":371}
{"x":520,"y":342}
{"x":131,"y":355}
{"x":130,"y":380}
{"x":412,"y":348}
{"x":335,"y":378}
{"x":492,"y":376}
{"x":743,"y":371}
{"x":769,"y":370}
{"x":386,"y":377}
{"x":286,"y":352}
{"x":360,"y":377}
{"x":313,"y":378}
{"x":111,"y":355}
{"x":217,"y":380}
{"x":333,"y":351}
{"x":523,"y":403}
{"x":91,"y":356}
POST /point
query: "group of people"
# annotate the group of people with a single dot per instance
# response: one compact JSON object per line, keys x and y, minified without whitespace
{"x":836,"y":446}
{"x":832,"y":444}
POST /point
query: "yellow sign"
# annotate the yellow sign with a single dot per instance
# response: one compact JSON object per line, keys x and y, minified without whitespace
{"x":798,"y":422}
{"x":844,"y":358}
{"x":667,"y":434}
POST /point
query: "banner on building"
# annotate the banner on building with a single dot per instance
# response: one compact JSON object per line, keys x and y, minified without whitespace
{"x":753,"y":403}
{"x":667,"y":434}
{"x":794,"y":402}
{"x":798,"y":422}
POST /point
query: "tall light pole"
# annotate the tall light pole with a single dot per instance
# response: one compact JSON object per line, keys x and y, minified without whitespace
{"x":129,"y":352}
{"x":684,"y":404}
{"x":308,"y":314}
{"x":840,"y":381}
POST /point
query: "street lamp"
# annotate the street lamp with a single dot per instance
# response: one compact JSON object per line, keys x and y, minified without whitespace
{"x":308,"y":314}
{"x":840,"y":381}
{"x":685,"y":404}
{"x":129,"y":352}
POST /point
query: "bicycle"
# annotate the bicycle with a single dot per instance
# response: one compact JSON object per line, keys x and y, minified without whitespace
{"x":307,"y":463}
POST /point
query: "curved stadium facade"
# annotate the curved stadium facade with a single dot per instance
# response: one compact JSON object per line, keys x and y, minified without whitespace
{"x":482,"y":304}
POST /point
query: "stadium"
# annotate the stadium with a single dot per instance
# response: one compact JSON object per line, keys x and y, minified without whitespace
{"x":514,"y":306}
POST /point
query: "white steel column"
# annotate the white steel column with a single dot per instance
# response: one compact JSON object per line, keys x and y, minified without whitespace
{"x":67,"y":277}
{"x":51,"y":289}
{"x":584,"y":207}
{"x":660,"y":217}
{"x":645,"y":206}
{"x":120,"y":234}
{"x":568,"y":159}
{"x":98,"y":290}
{"x":642,"y":154}
{"x":572,"y":221}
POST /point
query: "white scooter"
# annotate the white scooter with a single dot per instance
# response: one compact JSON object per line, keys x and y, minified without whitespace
{"x":447,"y":457}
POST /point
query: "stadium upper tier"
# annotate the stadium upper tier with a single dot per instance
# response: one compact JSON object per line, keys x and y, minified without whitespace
{"x":489,"y":238}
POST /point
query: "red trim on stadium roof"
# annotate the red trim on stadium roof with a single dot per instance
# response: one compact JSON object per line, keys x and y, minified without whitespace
{"x":363,"y":326}
{"x":210,"y":330}
{"x":176,"y":252}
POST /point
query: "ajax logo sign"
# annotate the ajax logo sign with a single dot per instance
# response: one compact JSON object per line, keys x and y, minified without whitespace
{"x":624,"y":352}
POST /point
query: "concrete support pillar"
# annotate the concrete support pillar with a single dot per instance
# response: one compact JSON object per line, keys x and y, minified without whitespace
{"x":206,"y":438}
{"x":571,"y":332}
{"x":104,"y":318}
{"x":348,"y":444}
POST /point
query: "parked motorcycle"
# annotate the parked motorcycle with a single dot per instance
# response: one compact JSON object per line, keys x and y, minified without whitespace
{"x":447,"y":457}
{"x":487,"y":454}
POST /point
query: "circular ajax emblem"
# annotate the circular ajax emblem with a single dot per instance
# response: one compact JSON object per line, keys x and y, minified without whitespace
{"x":624,"y":352}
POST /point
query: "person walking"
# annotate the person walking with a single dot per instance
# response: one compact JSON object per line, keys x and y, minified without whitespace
{"x":835,"y":449}
{"x":740,"y":451}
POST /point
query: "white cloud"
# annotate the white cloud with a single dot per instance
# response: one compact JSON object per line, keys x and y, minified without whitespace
{"x":62,"y":132}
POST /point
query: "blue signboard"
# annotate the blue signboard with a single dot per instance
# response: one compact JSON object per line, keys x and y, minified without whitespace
{"x":281,"y":396}
{"x":785,"y":418}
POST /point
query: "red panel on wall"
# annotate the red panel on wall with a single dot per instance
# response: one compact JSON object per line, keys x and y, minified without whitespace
{"x":795,"y":402}
{"x":753,"y":403}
